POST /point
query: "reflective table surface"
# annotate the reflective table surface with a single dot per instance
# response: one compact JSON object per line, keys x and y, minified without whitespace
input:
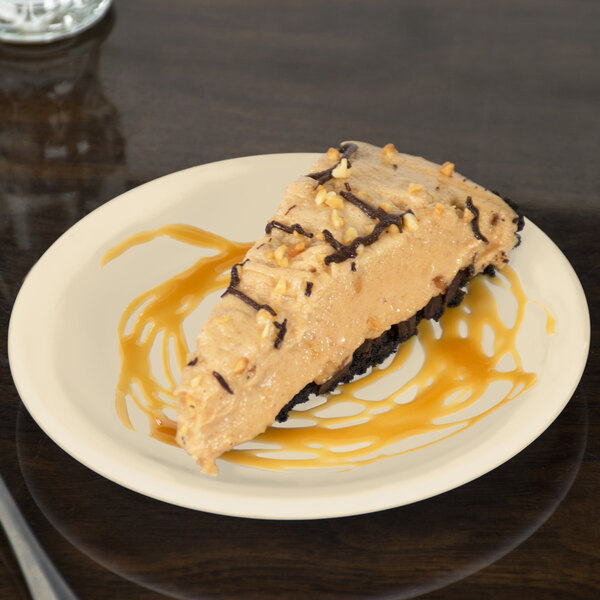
{"x":509,"y":90}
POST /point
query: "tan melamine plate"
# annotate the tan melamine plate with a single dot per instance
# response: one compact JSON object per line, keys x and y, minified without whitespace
{"x":64,"y":360}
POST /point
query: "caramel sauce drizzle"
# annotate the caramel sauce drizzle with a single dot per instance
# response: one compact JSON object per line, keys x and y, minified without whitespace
{"x":440,"y":400}
{"x":157,"y":317}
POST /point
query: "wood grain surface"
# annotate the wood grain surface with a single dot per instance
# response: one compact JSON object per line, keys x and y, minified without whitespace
{"x":507,"y":90}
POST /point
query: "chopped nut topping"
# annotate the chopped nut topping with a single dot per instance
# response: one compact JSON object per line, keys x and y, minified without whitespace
{"x":350,"y":234}
{"x":440,"y":282}
{"x":447,"y":169}
{"x":414,"y":188}
{"x":263,"y":318}
{"x":369,"y":227}
{"x":240,"y":365}
{"x":297,"y":249}
{"x":333,"y":154}
{"x":439,"y":209}
{"x":389,"y":151}
{"x":281,"y":287}
{"x":280,"y":256}
{"x":373,"y":323}
{"x":342,"y":170}
{"x":196,"y":381}
{"x":321,"y":195}
{"x":336,"y":220}
{"x":393,"y":228}
{"x":221,"y":320}
{"x":409,"y":222}
{"x":333,"y":200}
{"x":386,"y":206}
{"x":320,"y":237}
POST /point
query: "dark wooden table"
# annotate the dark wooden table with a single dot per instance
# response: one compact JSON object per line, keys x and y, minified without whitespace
{"x":510,"y":90}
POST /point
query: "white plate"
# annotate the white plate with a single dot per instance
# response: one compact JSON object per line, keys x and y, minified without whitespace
{"x":63,"y":355}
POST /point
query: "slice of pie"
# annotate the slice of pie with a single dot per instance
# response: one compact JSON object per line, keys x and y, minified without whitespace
{"x":361,"y":248}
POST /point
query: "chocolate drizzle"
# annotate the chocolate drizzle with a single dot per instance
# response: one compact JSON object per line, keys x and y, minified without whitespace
{"x":371,"y":211}
{"x":384,"y":220}
{"x":249,"y":301}
{"x":192,"y":362}
{"x":235,"y":276}
{"x":281,"y":334}
{"x":332,"y":241}
{"x":475,"y":222}
{"x":309,"y":287}
{"x":287,"y":228}
{"x":232,"y":289}
{"x":346,"y":151}
{"x":222,"y":382}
